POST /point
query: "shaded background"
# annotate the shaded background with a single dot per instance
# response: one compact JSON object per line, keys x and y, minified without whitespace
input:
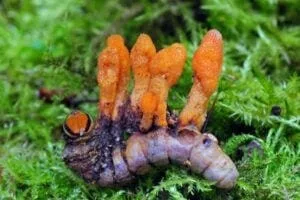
{"x":54,"y":45}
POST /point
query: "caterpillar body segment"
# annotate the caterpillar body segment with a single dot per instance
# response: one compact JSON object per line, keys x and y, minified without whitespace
{"x":122,"y":174}
{"x":103,"y":156}
{"x":200,"y":153}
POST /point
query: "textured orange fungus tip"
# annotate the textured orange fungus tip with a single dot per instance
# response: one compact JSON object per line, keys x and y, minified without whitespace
{"x":169,"y":63}
{"x":157,"y":137}
{"x":207,"y":61}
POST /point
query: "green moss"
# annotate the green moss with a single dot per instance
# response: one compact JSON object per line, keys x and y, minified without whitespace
{"x":55,"y":44}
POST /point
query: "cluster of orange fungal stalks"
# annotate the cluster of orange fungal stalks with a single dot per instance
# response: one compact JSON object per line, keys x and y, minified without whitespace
{"x":102,"y":155}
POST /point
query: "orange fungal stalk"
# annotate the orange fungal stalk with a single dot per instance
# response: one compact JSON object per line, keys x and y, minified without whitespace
{"x":113,"y":75}
{"x":165,"y":69}
{"x":207,"y":65}
{"x":141,"y":54}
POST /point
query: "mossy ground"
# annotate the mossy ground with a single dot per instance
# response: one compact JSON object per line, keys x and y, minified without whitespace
{"x":55,"y":44}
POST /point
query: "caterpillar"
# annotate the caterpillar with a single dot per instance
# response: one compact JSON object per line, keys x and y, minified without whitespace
{"x":101,"y":153}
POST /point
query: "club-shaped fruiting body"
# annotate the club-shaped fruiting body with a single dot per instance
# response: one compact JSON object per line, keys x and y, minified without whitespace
{"x":103,"y":155}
